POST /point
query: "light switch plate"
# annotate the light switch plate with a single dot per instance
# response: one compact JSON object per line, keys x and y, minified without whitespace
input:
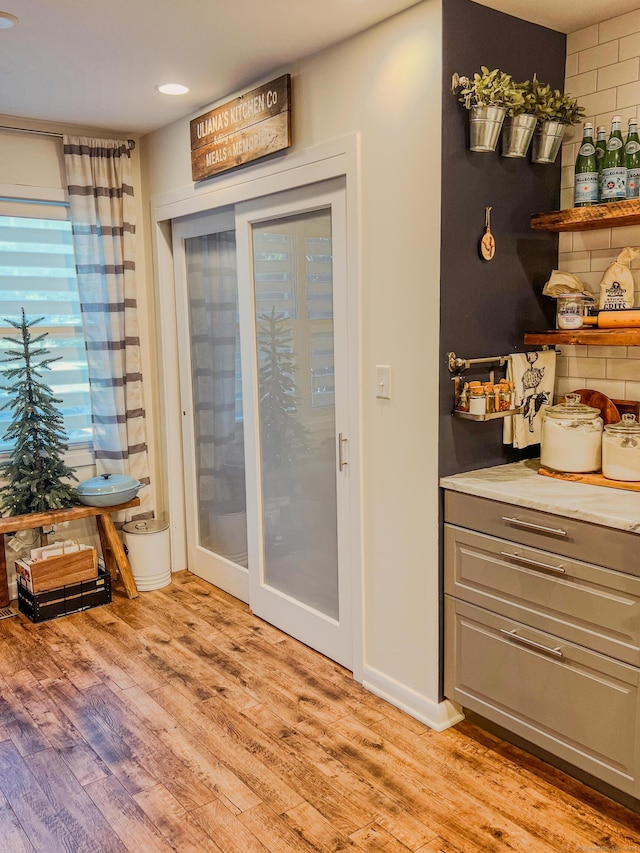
{"x":383,"y":382}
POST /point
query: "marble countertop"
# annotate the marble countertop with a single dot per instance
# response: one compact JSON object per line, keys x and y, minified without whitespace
{"x":520,"y":484}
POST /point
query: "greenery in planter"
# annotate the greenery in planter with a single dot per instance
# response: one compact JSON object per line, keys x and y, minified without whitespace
{"x":491,"y":89}
{"x":496,"y":88}
{"x":549,"y":104}
{"x":36,"y":468}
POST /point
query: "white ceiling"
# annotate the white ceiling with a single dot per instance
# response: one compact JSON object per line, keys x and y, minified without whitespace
{"x":96,"y":65}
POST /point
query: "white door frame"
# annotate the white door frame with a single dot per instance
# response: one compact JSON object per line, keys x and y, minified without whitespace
{"x":333,"y":159}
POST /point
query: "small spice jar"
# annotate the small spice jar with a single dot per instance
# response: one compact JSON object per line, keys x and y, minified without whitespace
{"x":621,"y":450}
{"x":462,"y":404}
{"x":571,"y":438}
{"x":505,"y":398}
{"x":490,"y":398}
{"x":477,"y":400}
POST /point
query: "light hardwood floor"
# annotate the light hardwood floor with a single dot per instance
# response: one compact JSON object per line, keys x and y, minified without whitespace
{"x":179,"y":721}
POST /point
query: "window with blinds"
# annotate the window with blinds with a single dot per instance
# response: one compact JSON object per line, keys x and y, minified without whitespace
{"x":37,"y":273}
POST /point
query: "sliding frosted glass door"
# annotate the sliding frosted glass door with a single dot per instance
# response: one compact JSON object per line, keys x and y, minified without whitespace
{"x":296,"y":269}
{"x":213,"y":428}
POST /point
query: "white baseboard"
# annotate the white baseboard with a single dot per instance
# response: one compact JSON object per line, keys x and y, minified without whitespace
{"x":437,"y":715}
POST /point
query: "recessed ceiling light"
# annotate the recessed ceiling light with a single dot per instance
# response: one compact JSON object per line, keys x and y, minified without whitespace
{"x":7,"y":21}
{"x":172,"y":89}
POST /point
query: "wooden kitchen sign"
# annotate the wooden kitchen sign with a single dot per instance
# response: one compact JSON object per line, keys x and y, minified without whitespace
{"x":245,"y":129}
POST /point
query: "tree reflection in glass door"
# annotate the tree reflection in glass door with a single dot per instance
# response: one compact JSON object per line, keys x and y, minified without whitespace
{"x":292,"y":262}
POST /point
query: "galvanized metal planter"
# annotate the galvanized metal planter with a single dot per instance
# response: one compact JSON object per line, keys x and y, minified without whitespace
{"x":485,"y":124}
{"x":547,"y":141}
{"x":517,"y":133}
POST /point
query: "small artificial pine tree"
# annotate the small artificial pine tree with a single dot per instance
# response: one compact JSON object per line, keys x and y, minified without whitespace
{"x":35,"y":469}
{"x":283,"y":437}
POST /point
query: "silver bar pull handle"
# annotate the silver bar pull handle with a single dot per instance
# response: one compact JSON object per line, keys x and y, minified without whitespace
{"x":531,"y":644}
{"x":341,"y":460}
{"x":528,"y":525}
{"x":534,"y":564}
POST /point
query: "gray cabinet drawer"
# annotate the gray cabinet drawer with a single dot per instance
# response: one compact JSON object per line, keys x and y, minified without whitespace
{"x":575,"y":703}
{"x":577,"y":601}
{"x":604,"y":546}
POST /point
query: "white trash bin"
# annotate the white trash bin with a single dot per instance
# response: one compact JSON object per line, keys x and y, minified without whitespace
{"x":148,"y":545}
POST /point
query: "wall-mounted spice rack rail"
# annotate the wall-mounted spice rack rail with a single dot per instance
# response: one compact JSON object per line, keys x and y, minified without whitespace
{"x":457,"y":366}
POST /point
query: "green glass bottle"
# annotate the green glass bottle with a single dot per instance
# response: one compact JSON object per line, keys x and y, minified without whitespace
{"x":632,"y":160}
{"x":601,"y":147}
{"x":585,"y":191}
{"x":614,"y":170}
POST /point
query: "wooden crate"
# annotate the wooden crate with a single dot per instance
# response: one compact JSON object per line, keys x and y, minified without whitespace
{"x":40,"y":606}
{"x":41,"y":575}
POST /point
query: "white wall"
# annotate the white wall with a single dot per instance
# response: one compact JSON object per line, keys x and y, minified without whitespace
{"x":384,"y":85}
{"x":603,"y":72}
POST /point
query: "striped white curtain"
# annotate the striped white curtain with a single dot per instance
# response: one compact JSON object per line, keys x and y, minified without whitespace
{"x":103,"y":223}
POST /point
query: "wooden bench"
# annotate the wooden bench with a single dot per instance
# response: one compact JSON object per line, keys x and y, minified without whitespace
{"x":113,"y":551}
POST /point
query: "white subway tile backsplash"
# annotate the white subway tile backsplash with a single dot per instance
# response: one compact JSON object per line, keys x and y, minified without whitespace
{"x":628,"y":95}
{"x":596,"y":57}
{"x":562,"y":366}
{"x":603,"y":71}
{"x":614,"y":390}
{"x":581,"y":39}
{"x":607,"y":352}
{"x":600,"y":102}
{"x":626,"y":369}
{"x":616,"y":75}
{"x":586,"y":84}
{"x":628,"y":46}
{"x":631,"y":391}
{"x":620,"y":26}
{"x":573,"y":135}
{"x":571,"y":350}
{"x":586,"y":241}
{"x":571,"y":64}
{"x":566,"y":198}
{"x":628,"y":235}
{"x":594,"y":367}
{"x":568,"y":153}
{"x":565,"y":243}
{"x":601,"y":259}
{"x":565,"y":385}
{"x":574,"y":262}
{"x":566,"y":177}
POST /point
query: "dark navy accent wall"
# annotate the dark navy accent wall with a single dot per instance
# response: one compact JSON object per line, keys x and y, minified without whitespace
{"x":486,"y":307}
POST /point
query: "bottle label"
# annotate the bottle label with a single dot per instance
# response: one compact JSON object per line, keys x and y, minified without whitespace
{"x":631,"y":147}
{"x":614,"y":143}
{"x":587,"y":149}
{"x":614,"y":183}
{"x":586,"y":188}
{"x":599,"y":153}
{"x":633,"y":183}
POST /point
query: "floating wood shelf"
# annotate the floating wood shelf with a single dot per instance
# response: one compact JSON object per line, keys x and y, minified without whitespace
{"x":612,"y":215}
{"x":586,"y":337}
